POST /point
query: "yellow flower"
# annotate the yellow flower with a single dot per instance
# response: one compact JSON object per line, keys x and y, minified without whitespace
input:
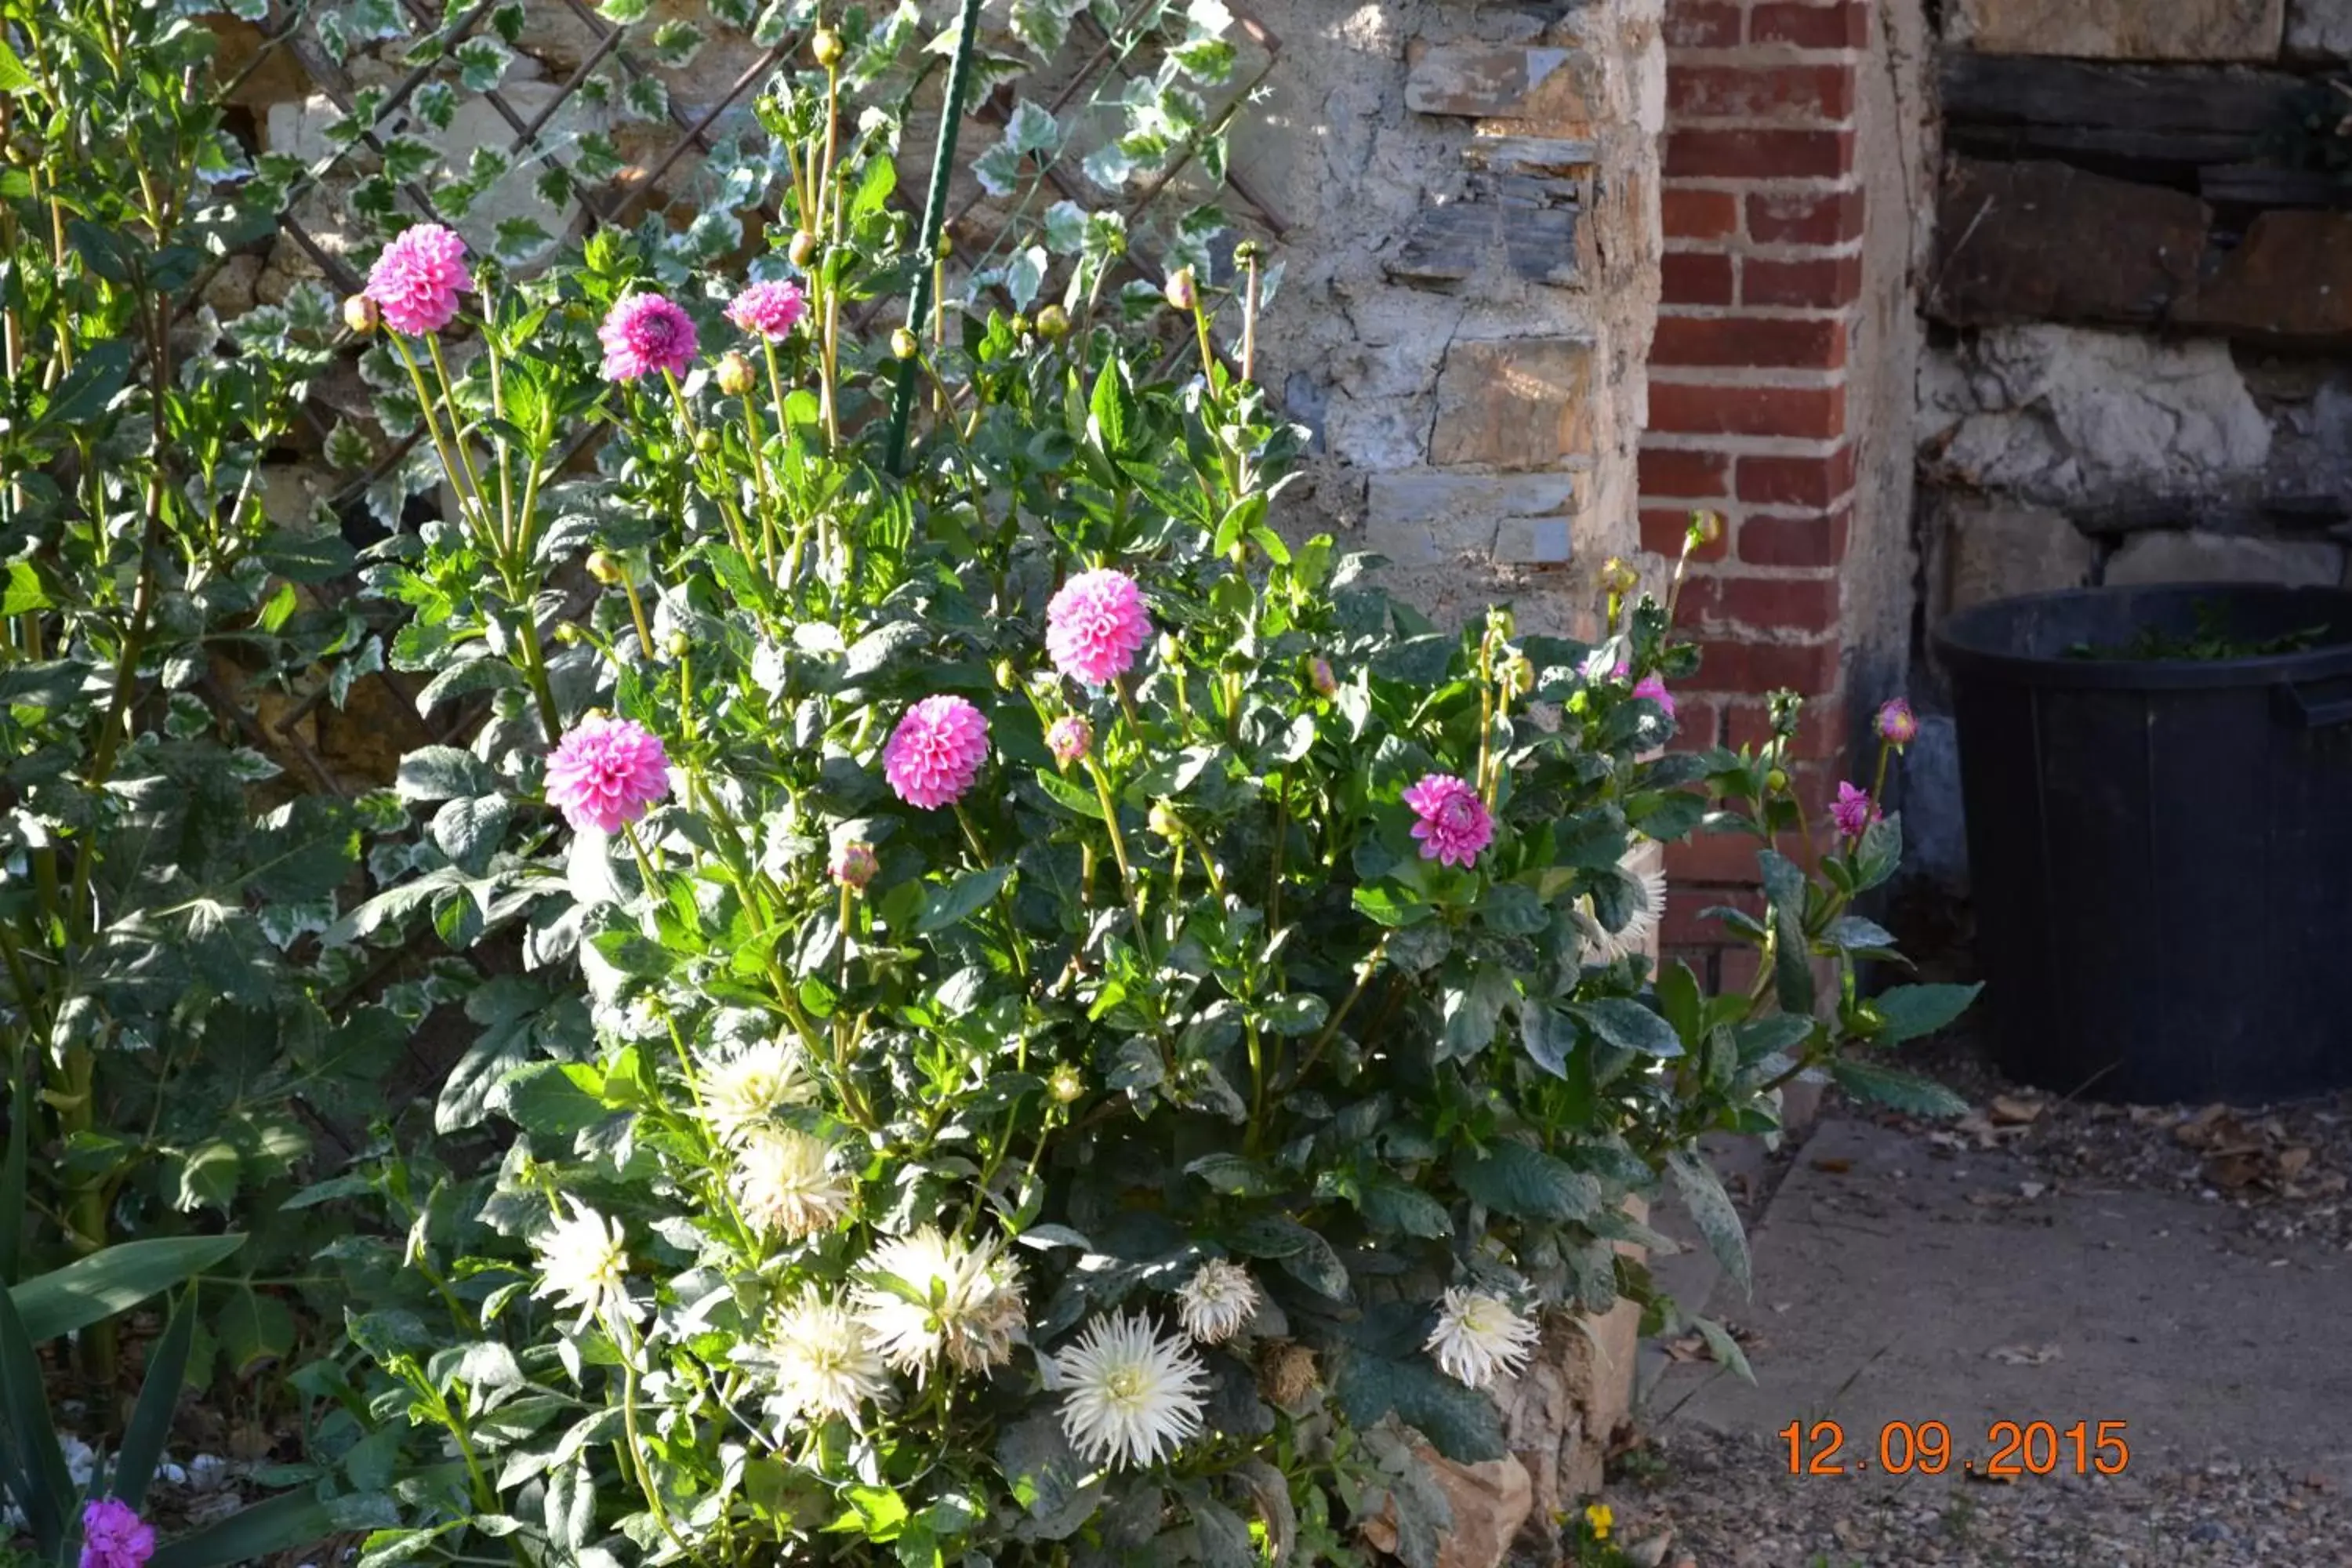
{"x":1599,"y":1517}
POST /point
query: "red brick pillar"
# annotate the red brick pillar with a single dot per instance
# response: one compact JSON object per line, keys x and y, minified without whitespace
{"x":1764,"y":217}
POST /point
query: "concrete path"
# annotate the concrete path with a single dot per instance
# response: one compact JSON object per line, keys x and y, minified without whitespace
{"x":1898,"y":1282}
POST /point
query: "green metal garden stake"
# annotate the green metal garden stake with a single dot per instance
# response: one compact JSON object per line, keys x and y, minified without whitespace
{"x":935,"y":211}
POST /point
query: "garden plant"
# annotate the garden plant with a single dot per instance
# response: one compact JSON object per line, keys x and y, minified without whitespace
{"x":1022,"y":1009}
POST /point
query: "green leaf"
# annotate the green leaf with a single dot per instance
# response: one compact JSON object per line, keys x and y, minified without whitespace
{"x":1549,"y":1036}
{"x":87,"y":388}
{"x":1792,"y":964}
{"x":1897,"y":1089}
{"x":1111,"y":411}
{"x":961,"y":899}
{"x":1234,"y":1175}
{"x":1474,"y":1012}
{"x":267,"y":1528}
{"x":1391,"y":909}
{"x":28,"y":1438}
{"x":255,"y":1331}
{"x":1514,"y":910}
{"x":1711,"y":1210}
{"x":1300,"y":1013}
{"x":14,"y":77}
{"x":113,"y":1279}
{"x":1460,"y":1423}
{"x":158,"y":1398}
{"x":1908,"y":1012}
{"x":207,"y":1176}
{"x":1392,"y":1206}
{"x":1627,"y":1025}
{"x":1070,"y":795}
{"x":554,"y":1099}
{"x":1525,"y":1183}
{"x":1724,"y":1348}
{"x":25,"y":593}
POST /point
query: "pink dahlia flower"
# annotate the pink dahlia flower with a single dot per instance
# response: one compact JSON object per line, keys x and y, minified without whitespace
{"x":1655,"y":688}
{"x":113,"y":1535}
{"x":936,"y":752}
{"x":1320,"y":676}
{"x":1897,"y":725}
{"x":606,"y":773}
{"x":853,"y":864}
{"x":1454,"y":827}
{"x":1095,"y":626}
{"x":416,"y":281}
{"x":646,"y":334}
{"x":768,"y":309}
{"x":1853,"y":810}
{"x":1069,"y":738}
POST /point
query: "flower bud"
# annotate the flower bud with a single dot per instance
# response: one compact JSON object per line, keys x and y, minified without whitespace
{"x":735,"y":375}
{"x":1021,"y":325}
{"x":677,"y":645}
{"x":1165,"y":822}
{"x":361,"y":315}
{"x":904,"y":344}
{"x":1519,"y":676}
{"x":566,"y":634}
{"x":1069,"y":738}
{"x":1171,"y":650}
{"x":825,"y":48}
{"x":803,"y":250}
{"x":1619,"y":578}
{"x":1247,"y":252}
{"x":1896,"y":724}
{"x":853,"y":864}
{"x":1065,"y":1085}
{"x":706,"y":442}
{"x":1318,"y":673}
{"x":1183,"y":291}
{"x":1705,"y":527}
{"x":605,"y":568}
{"x":1776,"y":780}
{"x":1007,"y":677}
{"x":1053,"y":323}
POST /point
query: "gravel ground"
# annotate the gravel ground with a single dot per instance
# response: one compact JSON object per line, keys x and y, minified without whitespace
{"x":1709,"y":1501}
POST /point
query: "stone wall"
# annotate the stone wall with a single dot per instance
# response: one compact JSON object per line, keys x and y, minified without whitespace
{"x":1472,"y":191}
{"x":2141,"y":308}
{"x":1794,"y":185}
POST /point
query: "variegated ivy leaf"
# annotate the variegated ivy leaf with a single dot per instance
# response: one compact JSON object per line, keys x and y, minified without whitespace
{"x":775,"y":24}
{"x":647,"y":97}
{"x":998,"y":170}
{"x":1109,"y":166}
{"x":1207,"y":19}
{"x":521,"y":238}
{"x":596,"y":91}
{"x":676,"y":42}
{"x":623,"y":12}
{"x":310,"y":308}
{"x":1024,"y":275}
{"x":599,"y":159}
{"x":1210,"y":59}
{"x":506,"y":21}
{"x":554,"y":184}
{"x":1031,"y":129}
{"x":482,"y":64}
{"x":734,"y":13}
{"x":347,"y":447}
{"x":247,"y":10}
{"x":406,"y":158}
{"x":1043,"y":24}
{"x":1065,"y":229}
{"x":434,"y":103}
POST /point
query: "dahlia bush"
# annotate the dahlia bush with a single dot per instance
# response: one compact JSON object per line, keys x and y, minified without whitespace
{"x":1040,"y":1018}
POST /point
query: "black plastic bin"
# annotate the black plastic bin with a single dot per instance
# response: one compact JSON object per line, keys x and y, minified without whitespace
{"x":2160,"y":849}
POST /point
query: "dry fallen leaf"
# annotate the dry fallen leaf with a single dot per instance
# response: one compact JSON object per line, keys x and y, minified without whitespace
{"x":2014,"y":1110}
{"x":2292,"y":1161}
{"x":2024,"y":1356}
{"x":1834,"y":1167}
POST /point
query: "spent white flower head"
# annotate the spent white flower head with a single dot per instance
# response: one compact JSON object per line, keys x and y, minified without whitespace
{"x":927,"y":1298}
{"x":785,"y":1182}
{"x":583,"y":1263}
{"x":742,"y":1090}
{"x":1648,"y":908}
{"x":1216,"y":1302}
{"x":1129,"y":1398}
{"x":823,"y":1362}
{"x":1478,"y":1335}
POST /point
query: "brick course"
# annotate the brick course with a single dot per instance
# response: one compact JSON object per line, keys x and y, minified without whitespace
{"x":1749,"y":414}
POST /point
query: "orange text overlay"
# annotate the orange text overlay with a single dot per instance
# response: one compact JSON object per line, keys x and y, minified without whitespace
{"x":2008,"y":1449}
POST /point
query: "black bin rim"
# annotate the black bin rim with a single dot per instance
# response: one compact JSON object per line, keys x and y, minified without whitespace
{"x":1979,"y":640}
